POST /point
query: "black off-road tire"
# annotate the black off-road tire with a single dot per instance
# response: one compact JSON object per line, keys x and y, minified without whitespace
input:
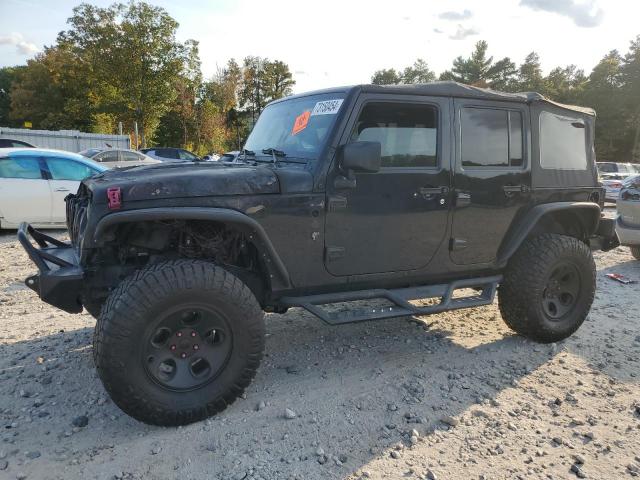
{"x":526,"y":294}
{"x":141,"y":301}
{"x":635,"y":251}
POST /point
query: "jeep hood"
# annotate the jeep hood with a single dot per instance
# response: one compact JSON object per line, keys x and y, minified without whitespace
{"x":186,"y":179}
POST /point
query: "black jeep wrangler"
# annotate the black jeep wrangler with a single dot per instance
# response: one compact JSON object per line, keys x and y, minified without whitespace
{"x":442,"y":191}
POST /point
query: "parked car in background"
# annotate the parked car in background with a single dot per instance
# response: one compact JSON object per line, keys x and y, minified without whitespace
{"x":612,"y":183}
{"x":628,"y":218}
{"x":118,"y":158}
{"x":35,"y":181}
{"x":229,"y":157}
{"x":10,"y":143}
{"x":620,"y":168}
{"x":165,"y":154}
{"x":211,"y":157}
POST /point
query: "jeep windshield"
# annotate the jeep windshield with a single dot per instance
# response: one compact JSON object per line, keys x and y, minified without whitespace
{"x":297,"y":128}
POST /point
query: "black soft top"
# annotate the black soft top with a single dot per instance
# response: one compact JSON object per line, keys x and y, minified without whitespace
{"x":451,"y":89}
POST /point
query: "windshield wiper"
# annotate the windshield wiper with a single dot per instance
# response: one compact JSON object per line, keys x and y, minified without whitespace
{"x":274,"y":153}
{"x":244,"y":152}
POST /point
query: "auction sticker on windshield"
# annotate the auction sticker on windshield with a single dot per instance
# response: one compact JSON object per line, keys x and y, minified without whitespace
{"x":328,"y":107}
{"x":300,"y":122}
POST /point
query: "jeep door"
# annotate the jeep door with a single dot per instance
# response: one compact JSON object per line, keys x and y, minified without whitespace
{"x":492,"y":176}
{"x":394,"y":219}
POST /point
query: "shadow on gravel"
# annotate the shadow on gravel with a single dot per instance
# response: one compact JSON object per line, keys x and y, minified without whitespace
{"x":358,"y":390}
{"x":610,"y":350}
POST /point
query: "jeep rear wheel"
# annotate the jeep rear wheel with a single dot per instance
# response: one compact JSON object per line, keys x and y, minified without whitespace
{"x":548,"y":287}
{"x":178,"y":341}
{"x":635,"y":251}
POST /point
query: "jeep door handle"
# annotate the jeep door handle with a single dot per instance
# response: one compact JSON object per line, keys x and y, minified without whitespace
{"x":61,"y":189}
{"x":511,"y":189}
{"x":433,"y":191}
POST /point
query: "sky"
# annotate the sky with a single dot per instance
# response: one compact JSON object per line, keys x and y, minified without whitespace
{"x":341,"y":42}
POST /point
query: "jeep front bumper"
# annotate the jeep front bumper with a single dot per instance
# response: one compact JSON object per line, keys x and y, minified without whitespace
{"x":60,"y":277}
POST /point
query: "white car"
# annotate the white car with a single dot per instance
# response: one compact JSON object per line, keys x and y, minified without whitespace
{"x":612,"y":183}
{"x":628,"y":218}
{"x":34,"y":183}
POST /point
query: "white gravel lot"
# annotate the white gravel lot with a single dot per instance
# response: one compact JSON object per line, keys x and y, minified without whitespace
{"x":450,"y":396}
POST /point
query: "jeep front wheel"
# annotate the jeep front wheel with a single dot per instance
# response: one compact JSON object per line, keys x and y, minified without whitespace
{"x":635,"y":251}
{"x":178,"y":341}
{"x":548,"y":287}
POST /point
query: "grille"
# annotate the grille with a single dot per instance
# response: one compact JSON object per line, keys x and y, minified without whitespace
{"x":76,"y":215}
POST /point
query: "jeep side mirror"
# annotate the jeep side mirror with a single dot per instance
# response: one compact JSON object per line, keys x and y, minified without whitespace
{"x":361,"y":156}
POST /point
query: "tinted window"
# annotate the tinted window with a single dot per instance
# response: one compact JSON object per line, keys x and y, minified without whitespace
{"x":491,"y":138}
{"x":23,"y":167}
{"x":407,"y":133}
{"x":130,"y":156}
{"x":89,"y":152}
{"x":607,"y":167}
{"x":63,"y":169}
{"x":563,"y":142}
{"x":184,"y":155}
{"x":8,"y":143}
{"x":167,"y":152}
{"x":111,"y":156}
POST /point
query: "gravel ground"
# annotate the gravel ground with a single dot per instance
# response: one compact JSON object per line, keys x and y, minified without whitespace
{"x":455,"y":395}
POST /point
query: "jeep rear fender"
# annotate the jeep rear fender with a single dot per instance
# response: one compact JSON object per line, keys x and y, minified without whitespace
{"x":586,"y":214}
{"x":278,"y":275}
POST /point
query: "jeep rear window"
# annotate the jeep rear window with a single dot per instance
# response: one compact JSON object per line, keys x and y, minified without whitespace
{"x":563,"y":142}
{"x":299,"y":127}
{"x":491,"y":137}
{"x":408,"y":133}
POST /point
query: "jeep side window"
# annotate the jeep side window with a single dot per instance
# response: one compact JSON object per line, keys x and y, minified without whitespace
{"x":563,"y":142}
{"x":491,"y":137}
{"x":408,"y":133}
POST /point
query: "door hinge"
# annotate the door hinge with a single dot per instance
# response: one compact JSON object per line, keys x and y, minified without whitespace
{"x":334,"y":253}
{"x":457,"y":244}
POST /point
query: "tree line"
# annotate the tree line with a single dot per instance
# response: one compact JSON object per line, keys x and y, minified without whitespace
{"x":122,"y":65}
{"x":612,"y":89}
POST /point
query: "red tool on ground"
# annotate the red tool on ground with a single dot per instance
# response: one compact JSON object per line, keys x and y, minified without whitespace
{"x":620,"y":278}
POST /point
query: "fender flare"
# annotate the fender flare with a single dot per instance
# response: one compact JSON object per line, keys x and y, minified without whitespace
{"x":278,"y":274}
{"x":526,"y":224}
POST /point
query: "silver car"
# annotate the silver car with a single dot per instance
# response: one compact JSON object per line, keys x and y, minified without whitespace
{"x":612,"y":183}
{"x":628,"y":218}
{"x":118,"y":158}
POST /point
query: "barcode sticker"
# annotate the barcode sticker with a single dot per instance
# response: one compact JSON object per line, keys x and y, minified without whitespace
{"x":328,"y":107}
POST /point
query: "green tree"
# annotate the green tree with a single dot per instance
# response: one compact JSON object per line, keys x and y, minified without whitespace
{"x":602,"y":92}
{"x":530,"y":77}
{"x":387,"y":76}
{"x":480,"y":70}
{"x":278,"y":80}
{"x":262,"y":82}
{"x":630,"y":75}
{"x":130,"y":54}
{"x":419,"y":72}
{"x":37,"y":95}
{"x":8,"y":76}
